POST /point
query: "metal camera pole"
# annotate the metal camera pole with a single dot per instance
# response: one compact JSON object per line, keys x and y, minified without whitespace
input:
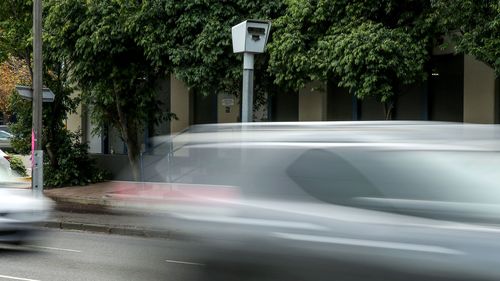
{"x":247,"y":94}
{"x":249,"y":37}
{"x":37,"y":152}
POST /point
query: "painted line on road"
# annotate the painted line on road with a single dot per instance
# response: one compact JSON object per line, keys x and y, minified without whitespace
{"x":17,"y":278}
{"x":56,"y":249}
{"x":185,"y":262}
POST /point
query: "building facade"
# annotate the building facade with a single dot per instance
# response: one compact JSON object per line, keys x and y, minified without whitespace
{"x":458,"y":89}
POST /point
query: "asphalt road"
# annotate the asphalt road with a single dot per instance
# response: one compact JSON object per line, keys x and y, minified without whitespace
{"x":72,"y":255}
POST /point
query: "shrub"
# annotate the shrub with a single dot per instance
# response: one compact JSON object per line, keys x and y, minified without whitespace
{"x":17,"y":166}
{"x":73,"y":165}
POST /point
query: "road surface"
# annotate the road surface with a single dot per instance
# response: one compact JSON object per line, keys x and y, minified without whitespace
{"x":71,"y":255}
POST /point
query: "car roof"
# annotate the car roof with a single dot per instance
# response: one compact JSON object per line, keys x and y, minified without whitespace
{"x":407,"y":132}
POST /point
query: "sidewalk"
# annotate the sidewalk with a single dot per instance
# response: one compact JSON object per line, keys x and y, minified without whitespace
{"x":92,"y":208}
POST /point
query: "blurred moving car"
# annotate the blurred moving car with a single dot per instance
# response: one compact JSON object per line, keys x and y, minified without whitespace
{"x":5,"y":138}
{"x":337,"y":200}
{"x":20,"y":210}
{"x":4,"y":162}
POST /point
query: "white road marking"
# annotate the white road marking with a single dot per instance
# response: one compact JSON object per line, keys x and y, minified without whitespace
{"x":185,"y":262}
{"x":56,"y":249}
{"x":16,"y":278}
{"x":369,"y":243}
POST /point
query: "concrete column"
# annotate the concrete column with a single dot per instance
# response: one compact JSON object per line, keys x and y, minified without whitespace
{"x":479,"y":92}
{"x":179,"y":104}
{"x":312,"y":102}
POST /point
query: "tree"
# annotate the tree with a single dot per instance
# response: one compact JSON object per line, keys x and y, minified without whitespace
{"x":371,"y":47}
{"x":107,"y":60}
{"x":475,"y":26}
{"x":15,"y":26}
{"x":194,"y":38}
{"x":117,"y":50}
{"x":13,"y":71}
{"x":66,"y":160}
{"x":15,"y":46}
{"x":200,"y":45}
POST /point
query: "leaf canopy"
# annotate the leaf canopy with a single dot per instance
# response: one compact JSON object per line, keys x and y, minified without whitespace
{"x":370,"y":47}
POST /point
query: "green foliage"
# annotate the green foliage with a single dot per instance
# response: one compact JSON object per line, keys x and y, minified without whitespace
{"x":15,"y":24}
{"x":105,"y":61}
{"x":66,"y":159}
{"x":102,"y":44}
{"x":370,"y":47}
{"x":117,"y":51}
{"x":17,"y":166}
{"x":475,"y":27}
{"x":74,"y":166}
{"x":63,"y":152}
{"x":21,"y":128}
{"x":194,"y":38}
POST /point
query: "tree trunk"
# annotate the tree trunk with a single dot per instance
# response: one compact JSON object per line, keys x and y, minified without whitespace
{"x":133,"y":152}
{"x":389,"y":109}
{"x":129,"y":134}
{"x":52,"y":156}
{"x":28,"y":62}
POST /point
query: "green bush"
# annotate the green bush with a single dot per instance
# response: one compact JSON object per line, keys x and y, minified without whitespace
{"x":17,"y":166}
{"x":73,"y":166}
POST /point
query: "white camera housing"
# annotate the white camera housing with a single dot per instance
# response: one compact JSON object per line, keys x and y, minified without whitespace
{"x":250,"y":36}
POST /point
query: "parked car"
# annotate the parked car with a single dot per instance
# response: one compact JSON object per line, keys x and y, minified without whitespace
{"x":338,"y":200}
{"x":20,"y":210}
{"x":5,"y":128}
{"x":5,"y":138}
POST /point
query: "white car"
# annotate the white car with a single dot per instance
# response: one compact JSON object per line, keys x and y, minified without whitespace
{"x":4,"y":163}
{"x":20,"y":210}
{"x":336,"y":200}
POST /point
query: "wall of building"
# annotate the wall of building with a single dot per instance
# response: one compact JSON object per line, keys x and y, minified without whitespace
{"x":74,"y":120}
{"x":312,"y":102}
{"x":179,"y":104}
{"x":411,"y":103}
{"x":371,"y":109}
{"x":479,"y":92}
{"x":164,"y":91}
{"x":284,"y":107}
{"x":95,"y":141}
{"x":446,"y":88}
{"x":228,"y":109}
{"x":339,"y":103}
{"x":203,"y":108}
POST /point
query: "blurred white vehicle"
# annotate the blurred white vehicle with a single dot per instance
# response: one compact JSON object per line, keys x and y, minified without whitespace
{"x":337,"y":201}
{"x":20,"y":210}
{"x":4,"y":163}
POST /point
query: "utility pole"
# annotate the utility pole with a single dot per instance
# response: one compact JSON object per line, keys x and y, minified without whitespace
{"x":36,"y":133}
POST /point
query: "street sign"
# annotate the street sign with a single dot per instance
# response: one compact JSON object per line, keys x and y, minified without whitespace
{"x":26,"y":92}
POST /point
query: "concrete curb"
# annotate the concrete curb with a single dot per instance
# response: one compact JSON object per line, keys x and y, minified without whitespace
{"x":82,"y":205}
{"x":109,"y":229}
